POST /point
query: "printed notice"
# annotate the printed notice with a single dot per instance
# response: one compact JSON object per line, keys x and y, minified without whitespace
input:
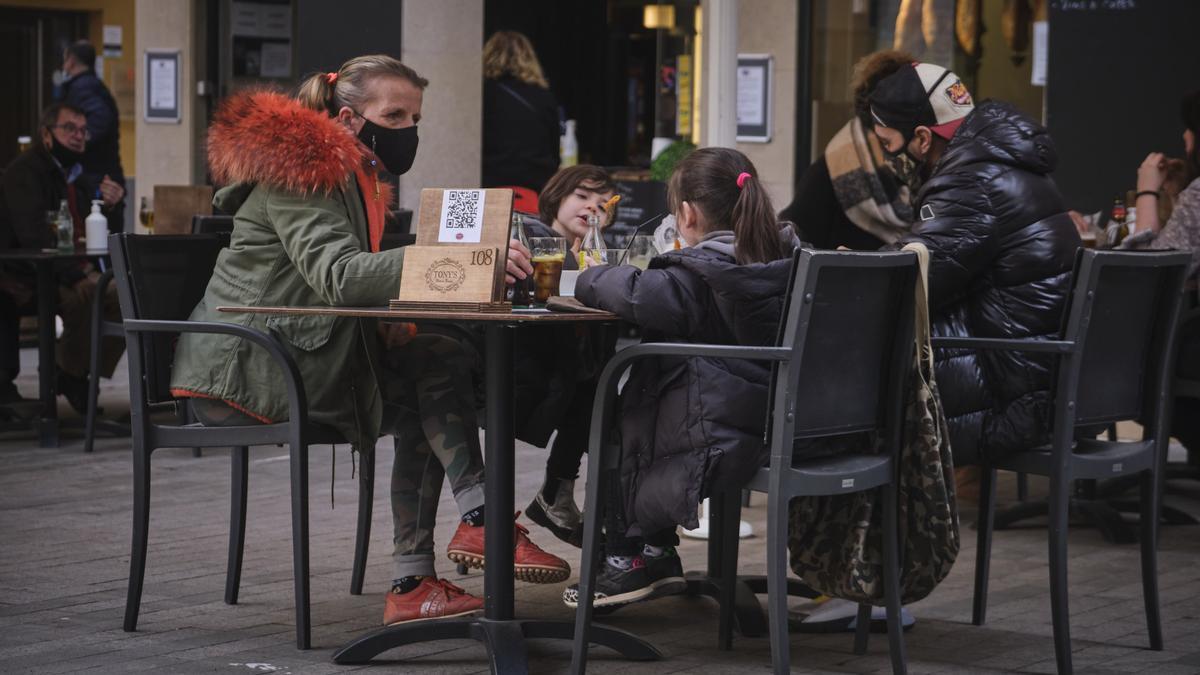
{"x":751,"y":81}
{"x":276,"y":59}
{"x":162,"y":84}
{"x":462,"y":217}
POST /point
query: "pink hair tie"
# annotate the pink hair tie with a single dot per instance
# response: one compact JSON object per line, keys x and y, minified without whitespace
{"x":742,"y":178}
{"x":331,"y":78}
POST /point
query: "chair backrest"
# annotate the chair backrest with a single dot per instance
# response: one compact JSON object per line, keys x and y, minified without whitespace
{"x":204,"y":224}
{"x":398,"y":221}
{"x":1122,"y":315}
{"x":849,"y":324}
{"x":160,"y":277}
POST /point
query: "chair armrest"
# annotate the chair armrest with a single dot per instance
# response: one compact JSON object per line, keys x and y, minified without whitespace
{"x":1053,"y":346}
{"x":297,"y":399}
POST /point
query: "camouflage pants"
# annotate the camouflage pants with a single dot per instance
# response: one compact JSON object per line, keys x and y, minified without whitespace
{"x":431,"y":413}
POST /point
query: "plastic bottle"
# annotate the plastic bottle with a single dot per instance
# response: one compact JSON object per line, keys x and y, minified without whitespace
{"x":568,"y":146}
{"x":96,"y":228}
{"x":66,"y":228}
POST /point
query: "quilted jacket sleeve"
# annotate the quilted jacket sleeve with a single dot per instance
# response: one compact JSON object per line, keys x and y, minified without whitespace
{"x":958,"y":226}
{"x":655,"y":299}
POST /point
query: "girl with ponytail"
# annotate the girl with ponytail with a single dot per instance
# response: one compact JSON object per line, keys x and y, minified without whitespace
{"x":690,"y":427}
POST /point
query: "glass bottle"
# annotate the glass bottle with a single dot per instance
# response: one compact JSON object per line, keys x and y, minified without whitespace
{"x":593,"y":250}
{"x":66,"y":228}
{"x":146,"y":215}
{"x":1118,"y":228}
{"x":520,"y":294}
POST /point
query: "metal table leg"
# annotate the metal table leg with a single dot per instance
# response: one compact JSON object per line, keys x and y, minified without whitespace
{"x":502,"y":635}
{"x":47,"y":300}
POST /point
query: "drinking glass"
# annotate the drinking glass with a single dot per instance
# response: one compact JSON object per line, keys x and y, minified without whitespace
{"x":548,"y":256}
{"x":641,"y":250}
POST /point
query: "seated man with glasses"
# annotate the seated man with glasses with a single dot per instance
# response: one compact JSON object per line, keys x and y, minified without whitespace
{"x":35,"y":183}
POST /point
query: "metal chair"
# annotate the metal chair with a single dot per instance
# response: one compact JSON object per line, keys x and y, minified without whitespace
{"x":1115,"y":361}
{"x":211,"y":224}
{"x":160,"y":278}
{"x":845,"y":347}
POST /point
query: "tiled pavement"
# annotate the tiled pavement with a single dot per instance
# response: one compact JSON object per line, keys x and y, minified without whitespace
{"x":64,"y":542}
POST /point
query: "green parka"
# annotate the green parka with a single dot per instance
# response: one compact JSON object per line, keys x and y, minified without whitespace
{"x":300,"y":238}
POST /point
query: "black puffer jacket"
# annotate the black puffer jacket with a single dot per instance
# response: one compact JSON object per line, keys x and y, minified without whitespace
{"x":1001,"y":251}
{"x":691,"y":425}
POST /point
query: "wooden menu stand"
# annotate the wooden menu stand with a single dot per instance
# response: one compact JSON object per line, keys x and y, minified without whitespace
{"x":457,"y":263}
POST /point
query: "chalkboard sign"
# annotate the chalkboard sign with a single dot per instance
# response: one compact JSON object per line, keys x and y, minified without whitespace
{"x":640,"y":200}
{"x":1117,"y":71}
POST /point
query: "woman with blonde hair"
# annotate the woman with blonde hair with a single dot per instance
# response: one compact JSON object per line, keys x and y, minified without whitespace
{"x":520,"y":115}
{"x":301,"y":178}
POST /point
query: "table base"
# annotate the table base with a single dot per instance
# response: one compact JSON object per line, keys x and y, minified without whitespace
{"x":504,"y":640}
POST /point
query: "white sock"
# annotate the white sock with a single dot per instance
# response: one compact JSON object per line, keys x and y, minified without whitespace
{"x":653,"y":551}
{"x":621,"y":562}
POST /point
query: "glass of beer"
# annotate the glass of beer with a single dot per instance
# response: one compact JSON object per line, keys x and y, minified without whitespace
{"x":548,"y":256}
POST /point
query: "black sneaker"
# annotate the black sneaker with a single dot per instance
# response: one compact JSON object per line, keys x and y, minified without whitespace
{"x":665,"y":573}
{"x":615,"y":586}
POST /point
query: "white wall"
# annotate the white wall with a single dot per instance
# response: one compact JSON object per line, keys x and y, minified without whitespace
{"x":443,"y":42}
{"x":166,"y":152}
{"x":770,"y":27}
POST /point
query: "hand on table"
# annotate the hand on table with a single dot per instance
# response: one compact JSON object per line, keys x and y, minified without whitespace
{"x":111,"y":192}
{"x":518,"y":266}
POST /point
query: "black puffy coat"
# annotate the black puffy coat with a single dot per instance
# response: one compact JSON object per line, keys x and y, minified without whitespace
{"x":690,"y":426}
{"x":1001,"y":250}
{"x":520,"y":134}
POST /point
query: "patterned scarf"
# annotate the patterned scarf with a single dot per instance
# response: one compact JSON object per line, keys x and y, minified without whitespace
{"x":873,"y":200}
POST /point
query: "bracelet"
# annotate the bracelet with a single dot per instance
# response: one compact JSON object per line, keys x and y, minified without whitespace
{"x":1152,"y":193}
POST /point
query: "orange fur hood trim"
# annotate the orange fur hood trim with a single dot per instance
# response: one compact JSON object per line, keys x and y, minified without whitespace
{"x":267,"y":137}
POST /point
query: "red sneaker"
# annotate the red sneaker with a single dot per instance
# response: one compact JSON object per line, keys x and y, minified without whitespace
{"x":530,"y":563}
{"x":431,"y":599}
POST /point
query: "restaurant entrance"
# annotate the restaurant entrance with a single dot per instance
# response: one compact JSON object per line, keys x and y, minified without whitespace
{"x":31,"y":44}
{"x":613,"y":66}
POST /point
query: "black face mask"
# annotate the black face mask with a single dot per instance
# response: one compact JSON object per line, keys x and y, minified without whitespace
{"x":908,"y":169}
{"x":65,"y":156}
{"x":396,"y":148}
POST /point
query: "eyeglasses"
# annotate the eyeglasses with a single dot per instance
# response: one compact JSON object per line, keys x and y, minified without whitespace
{"x":70,"y":130}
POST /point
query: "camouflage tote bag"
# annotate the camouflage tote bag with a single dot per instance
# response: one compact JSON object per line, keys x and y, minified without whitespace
{"x":835,"y":542}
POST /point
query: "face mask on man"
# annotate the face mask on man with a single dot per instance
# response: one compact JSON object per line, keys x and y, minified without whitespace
{"x":65,"y":156}
{"x":908,"y":169}
{"x":396,"y":148}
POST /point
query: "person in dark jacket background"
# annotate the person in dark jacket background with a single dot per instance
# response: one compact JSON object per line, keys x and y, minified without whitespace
{"x":690,"y":426}
{"x":520,"y":115}
{"x":84,"y":89}
{"x":37,"y":181}
{"x":1001,"y":248}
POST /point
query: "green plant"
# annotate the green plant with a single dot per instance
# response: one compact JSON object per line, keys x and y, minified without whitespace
{"x":664,"y":165}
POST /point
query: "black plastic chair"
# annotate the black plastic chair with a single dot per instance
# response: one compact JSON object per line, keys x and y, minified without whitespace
{"x":214,"y":224}
{"x":160,"y":279}
{"x":1115,"y":361}
{"x":845,"y":348}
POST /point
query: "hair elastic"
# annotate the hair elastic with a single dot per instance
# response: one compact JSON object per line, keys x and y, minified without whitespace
{"x":742,"y":178}
{"x":331,"y":78}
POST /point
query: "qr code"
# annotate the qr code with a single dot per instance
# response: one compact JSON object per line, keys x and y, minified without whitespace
{"x":462,"y":209}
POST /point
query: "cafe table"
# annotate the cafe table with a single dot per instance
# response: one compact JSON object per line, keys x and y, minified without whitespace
{"x":502,"y":634}
{"x":43,"y":260}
